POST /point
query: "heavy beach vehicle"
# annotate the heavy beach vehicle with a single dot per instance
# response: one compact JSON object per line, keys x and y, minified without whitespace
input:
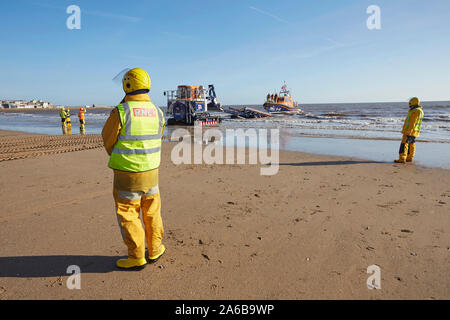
{"x":190,"y":104}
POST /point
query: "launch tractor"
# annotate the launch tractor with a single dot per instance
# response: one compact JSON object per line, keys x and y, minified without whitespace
{"x":190,"y":104}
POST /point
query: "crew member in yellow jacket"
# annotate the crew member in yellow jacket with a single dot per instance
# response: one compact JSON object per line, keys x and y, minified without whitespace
{"x":62,"y":114}
{"x":411,"y":130}
{"x":132,"y":137}
{"x":68,"y":124}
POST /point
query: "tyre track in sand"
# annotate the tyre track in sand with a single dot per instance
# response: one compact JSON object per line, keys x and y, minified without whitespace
{"x":32,"y":146}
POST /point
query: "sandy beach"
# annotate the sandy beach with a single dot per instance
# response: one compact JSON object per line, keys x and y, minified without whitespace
{"x":308,"y":232}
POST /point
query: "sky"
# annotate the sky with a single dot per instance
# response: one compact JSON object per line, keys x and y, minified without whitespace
{"x":323,"y":49}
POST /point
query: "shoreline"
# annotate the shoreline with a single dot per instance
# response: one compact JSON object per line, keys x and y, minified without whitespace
{"x":308,"y":232}
{"x":319,"y":150}
{"x":52,"y":109}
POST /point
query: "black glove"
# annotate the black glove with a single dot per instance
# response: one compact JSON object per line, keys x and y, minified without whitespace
{"x":410,"y":139}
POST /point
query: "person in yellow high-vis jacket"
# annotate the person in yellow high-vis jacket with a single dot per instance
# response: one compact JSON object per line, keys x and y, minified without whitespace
{"x":411,"y":130}
{"x":62,"y":114}
{"x":68,"y":123}
{"x":132,"y":137}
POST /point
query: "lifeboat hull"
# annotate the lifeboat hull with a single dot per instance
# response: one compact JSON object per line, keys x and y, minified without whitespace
{"x":279,"y":107}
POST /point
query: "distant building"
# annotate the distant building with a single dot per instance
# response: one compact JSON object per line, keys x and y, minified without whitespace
{"x":8,"y":104}
{"x":42,"y":104}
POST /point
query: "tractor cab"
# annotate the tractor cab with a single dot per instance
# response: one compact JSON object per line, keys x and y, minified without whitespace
{"x":188,"y":92}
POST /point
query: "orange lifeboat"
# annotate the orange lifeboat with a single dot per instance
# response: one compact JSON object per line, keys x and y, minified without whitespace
{"x":282,"y":102}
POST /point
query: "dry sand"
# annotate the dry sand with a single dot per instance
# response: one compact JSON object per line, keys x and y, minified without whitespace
{"x":309,"y":232}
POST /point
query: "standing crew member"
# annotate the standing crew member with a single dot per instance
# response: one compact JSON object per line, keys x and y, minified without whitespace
{"x":411,"y":130}
{"x":62,"y":114}
{"x":68,"y":124}
{"x":132,"y":137}
{"x":81,"y":117}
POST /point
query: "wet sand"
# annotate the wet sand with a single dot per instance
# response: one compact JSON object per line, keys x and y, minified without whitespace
{"x":308,"y":232}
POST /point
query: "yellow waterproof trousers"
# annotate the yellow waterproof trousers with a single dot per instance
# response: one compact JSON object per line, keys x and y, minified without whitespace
{"x":407,"y":148}
{"x":69,"y":126}
{"x":82,"y":129}
{"x":128,"y":207}
{"x":64,"y":128}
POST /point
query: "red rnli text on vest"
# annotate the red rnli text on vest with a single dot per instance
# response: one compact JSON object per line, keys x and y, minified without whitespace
{"x":144,"y":112}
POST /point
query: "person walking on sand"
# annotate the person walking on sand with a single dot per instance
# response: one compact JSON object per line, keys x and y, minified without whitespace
{"x":411,"y":130}
{"x":68,"y":124}
{"x":132,"y":137}
{"x":81,"y":117}
{"x":62,"y":114}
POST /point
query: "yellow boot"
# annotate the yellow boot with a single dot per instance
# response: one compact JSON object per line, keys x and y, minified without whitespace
{"x":131,"y":263}
{"x":156,"y":258}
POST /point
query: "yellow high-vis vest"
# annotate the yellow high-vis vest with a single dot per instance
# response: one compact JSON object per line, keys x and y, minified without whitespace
{"x":138,"y":147}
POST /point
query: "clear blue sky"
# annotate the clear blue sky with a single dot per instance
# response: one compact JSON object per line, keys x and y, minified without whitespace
{"x":322,"y":48}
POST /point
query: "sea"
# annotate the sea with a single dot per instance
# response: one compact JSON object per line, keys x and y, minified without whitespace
{"x":370,"y":131}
